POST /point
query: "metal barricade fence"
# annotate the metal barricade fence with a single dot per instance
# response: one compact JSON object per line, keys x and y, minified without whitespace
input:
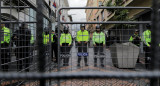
{"x":35,"y":66}
{"x":21,"y":20}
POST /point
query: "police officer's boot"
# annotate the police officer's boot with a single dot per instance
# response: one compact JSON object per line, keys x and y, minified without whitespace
{"x":102,"y":62}
{"x":64,"y":62}
{"x":67,"y":61}
{"x":138,"y":59}
{"x":147,"y":62}
{"x":79,"y":60}
{"x":85,"y":60}
{"x":95,"y":62}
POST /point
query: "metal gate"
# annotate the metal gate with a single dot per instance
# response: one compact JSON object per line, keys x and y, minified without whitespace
{"x":26,"y":56}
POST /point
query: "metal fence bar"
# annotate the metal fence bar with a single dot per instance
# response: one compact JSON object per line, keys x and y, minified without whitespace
{"x":155,"y":41}
{"x":8,"y":7}
{"x":41,"y":49}
{"x":0,"y":37}
{"x":59,"y":23}
{"x":5,"y":22}
{"x":79,"y":75}
{"x":155,"y":35}
{"x":50,"y":43}
{"x":110,"y":22}
{"x":106,"y":8}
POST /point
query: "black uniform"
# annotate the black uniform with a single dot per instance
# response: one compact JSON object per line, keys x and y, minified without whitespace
{"x":65,"y":50}
{"x":22,"y":43}
{"x":98,"y":49}
{"x":137,"y":40}
{"x":55,"y":46}
{"x":82,"y":48}
{"x":147,"y":56}
{"x":5,"y":56}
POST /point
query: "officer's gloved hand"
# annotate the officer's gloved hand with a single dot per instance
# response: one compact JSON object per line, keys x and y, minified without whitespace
{"x":149,"y":58}
{"x":6,"y":44}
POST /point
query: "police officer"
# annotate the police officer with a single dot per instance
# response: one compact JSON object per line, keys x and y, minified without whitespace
{"x":52,"y":44}
{"x":46,"y":40}
{"x":22,"y":39}
{"x":65,"y":43}
{"x":32,"y":40}
{"x":31,"y":48}
{"x":147,"y":45}
{"x":82,"y":39}
{"x":45,"y":37}
{"x":55,"y":45}
{"x":99,"y":43}
{"x":5,"y":41}
{"x":135,"y":39}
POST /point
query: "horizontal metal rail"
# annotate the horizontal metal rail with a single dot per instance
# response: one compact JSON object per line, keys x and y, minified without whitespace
{"x":80,"y":75}
{"x":110,"y":22}
{"x":105,"y":8}
{"x":12,"y":7}
{"x":4,"y":22}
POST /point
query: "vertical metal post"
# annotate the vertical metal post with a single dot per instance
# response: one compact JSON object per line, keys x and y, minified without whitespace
{"x":59,"y":3}
{"x":155,"y":40}
{"x":50,"y":49}
{"x":141,"y":34}
{"x":50,"y":39}
{"x":0,"y":35}
{"x":41,"y":52}
{"x":58,"y":43}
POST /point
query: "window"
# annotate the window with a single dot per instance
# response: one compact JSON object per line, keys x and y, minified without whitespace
{"x":102,"y":15}
{"x":98,"y":18}
{"x":100,"y":3}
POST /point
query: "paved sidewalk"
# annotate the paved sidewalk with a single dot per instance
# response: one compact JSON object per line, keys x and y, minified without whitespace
{"x":108,"y":68}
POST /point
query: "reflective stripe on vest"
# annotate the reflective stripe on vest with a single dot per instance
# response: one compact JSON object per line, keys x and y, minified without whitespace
{"x":5,"y":37}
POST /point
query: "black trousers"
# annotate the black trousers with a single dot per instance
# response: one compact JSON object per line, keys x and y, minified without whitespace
{"x":31,"y":53}
{"x":65,"y":50}
{"x":98,"y":49}
{"x":147,"y":56}
{"x":82,"y":48}
{"x":52,"y":50}
{"x":5,"y":56}
{"x":55,"y":49}
{"x":23,"y":59}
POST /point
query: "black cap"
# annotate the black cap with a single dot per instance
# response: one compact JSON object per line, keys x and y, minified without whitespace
{"x":98,"y":27}
{"x":136,"y":30}
{"x":23,"y":25}
{"x":65,"y":28}
{"x":82,"y":25}
{"x":45,"y":29}
{"x":148,"y":25}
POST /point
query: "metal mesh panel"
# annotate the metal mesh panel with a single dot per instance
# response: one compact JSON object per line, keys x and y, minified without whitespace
{"x":30,"y":58}
{"x":127,"y":58}
{"x":19,"y":53}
